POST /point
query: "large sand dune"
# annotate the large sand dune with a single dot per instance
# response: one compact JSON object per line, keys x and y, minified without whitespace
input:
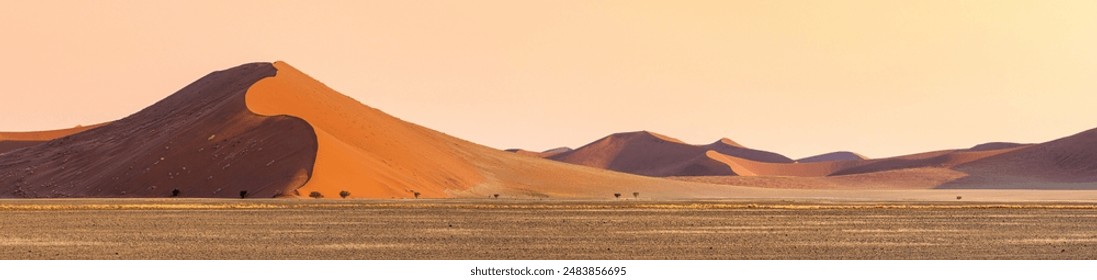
{"x":201,"y":140}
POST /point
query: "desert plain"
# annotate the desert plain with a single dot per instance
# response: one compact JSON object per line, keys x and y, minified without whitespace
{"x":543,"y":229}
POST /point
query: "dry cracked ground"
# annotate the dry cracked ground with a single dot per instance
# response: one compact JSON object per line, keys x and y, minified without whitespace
{"x":504,"y":229}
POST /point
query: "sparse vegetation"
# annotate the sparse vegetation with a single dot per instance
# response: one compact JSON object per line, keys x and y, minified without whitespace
{"x":243,"y":194}
{"x":636,"y":195}
{"x":344,"y":194}
{"x":417,"y":195}
{"x":496,"y":196}
{"x":175,"y":193}
{"x":617,"y":195}
{"x":959,"y":197}
{"x":316,"y":194}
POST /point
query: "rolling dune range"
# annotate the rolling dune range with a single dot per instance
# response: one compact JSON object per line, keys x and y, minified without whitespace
{"x":263,"y":130}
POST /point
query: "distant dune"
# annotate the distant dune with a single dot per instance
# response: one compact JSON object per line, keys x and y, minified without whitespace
{"x":834,"y":156}
{"x":545,"y":154}
{"x":652,"y":154}
{"x":1065,"y":163}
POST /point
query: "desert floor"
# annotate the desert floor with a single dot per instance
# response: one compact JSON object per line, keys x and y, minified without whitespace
{"x":530,"y":229}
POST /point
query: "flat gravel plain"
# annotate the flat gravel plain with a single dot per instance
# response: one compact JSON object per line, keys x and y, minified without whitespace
{"x":503,"y":229}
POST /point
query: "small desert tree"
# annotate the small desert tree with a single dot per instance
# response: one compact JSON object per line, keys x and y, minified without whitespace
{"x":617,"y":195}
{"x":344,"y":194}
{"x":636,"y":195}
{"x":243,"y":194}
{"x":316,"y":194}
{"x":175,"y":193}
{"x":496,"y":196}
{"x":417,"y":195}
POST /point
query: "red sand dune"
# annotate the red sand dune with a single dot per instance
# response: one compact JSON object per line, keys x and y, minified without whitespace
{"x":201,"y":140}
{"x":13,"y":140}
{"x":834,"y":156}
{"x":652,"y":154}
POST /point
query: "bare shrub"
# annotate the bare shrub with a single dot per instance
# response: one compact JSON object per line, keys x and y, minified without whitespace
{"x":636,"y":195}
{"x":316,"y":194}
{"x":344,"y":194}
{"x":175,"y":193}
{"x":243,"y":194}
{"x":617,"y":195}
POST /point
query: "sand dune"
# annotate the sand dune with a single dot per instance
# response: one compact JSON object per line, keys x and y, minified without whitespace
{"x":1065,"y":163}
{"x":995,"y":146}
{"x":834,"y":156}
{"x":652,"y":154}
{"x":945,"y":159}
{"x":13,"y":140}
{"x":201,"y":140}
{"x":545,"y":154}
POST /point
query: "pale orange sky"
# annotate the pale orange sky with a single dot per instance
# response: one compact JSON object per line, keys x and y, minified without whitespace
{"x":880,"y":78}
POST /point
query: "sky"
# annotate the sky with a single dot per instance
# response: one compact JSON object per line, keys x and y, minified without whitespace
{"x":876,"y":77}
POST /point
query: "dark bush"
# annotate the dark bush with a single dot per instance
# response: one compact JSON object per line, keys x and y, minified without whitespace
{"x":316,"y":194}
{"x":496,"y":195}
{"x":175,"y":193}
{"x":243,"y":194}
{"x":417,"y":195}
{"x":636,"y":195}
{"x":344,"y":194}
{"x":617,"y":195}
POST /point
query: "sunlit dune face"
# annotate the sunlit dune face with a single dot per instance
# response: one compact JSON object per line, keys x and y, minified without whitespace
{"x":361,"y":150}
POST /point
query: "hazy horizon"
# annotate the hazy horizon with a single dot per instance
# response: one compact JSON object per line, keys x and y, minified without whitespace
{"x":879,"y":78}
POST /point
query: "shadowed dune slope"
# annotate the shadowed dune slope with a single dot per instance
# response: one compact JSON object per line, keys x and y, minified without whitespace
{"x":652,"y":154}
{"x":201,"y":140}
{"x":10,"y":141}
{"x":996,"y":146}
{"x":1065,"y":163}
